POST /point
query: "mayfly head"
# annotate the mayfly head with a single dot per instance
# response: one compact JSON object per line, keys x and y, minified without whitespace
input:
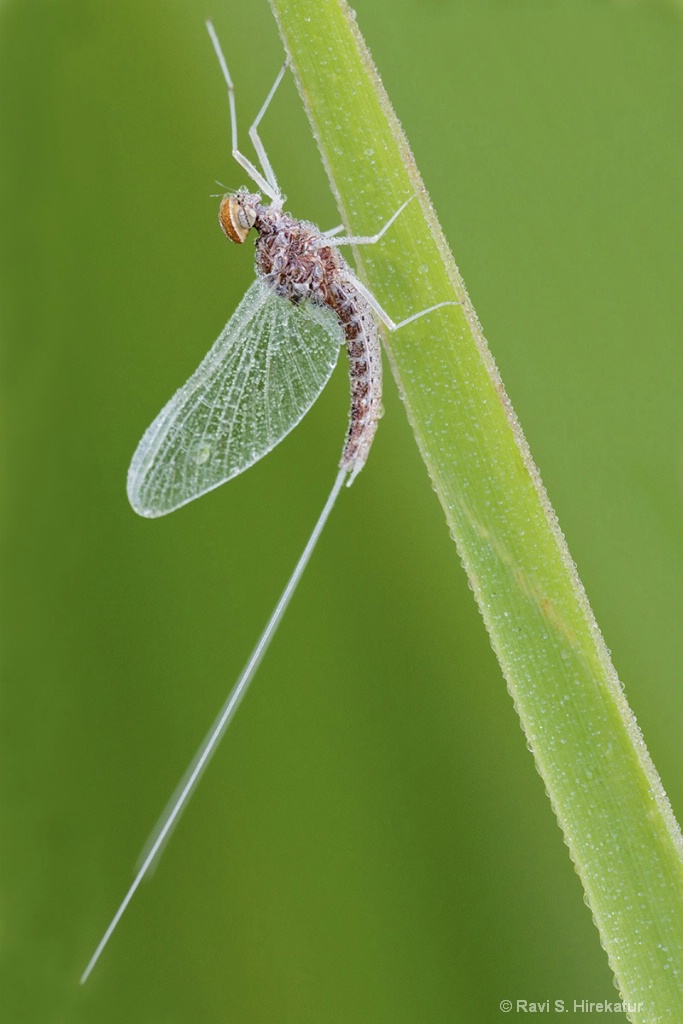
{"x":237,"y":214}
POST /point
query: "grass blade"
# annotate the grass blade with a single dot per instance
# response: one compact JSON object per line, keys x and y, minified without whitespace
{"x":615,"y":816}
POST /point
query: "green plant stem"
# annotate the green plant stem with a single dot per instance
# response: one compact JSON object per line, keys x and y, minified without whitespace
{"x":621,"y":833}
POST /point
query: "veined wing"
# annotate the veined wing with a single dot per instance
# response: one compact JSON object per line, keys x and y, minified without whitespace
{"x":259,"y":379}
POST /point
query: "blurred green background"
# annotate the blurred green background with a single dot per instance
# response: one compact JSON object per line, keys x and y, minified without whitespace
{"x":372,"y":843}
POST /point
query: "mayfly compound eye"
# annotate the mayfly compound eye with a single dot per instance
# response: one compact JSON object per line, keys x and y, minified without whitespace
{"x":236,"y":218}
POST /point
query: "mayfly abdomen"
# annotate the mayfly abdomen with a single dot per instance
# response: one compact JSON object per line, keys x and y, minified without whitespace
{"x":365,"y":373}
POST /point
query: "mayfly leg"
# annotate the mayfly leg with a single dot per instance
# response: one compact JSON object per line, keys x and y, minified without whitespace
{"x":268,"y":184}
{"x":368,"y":239}
{"x":393,"y":325}
{"x":382,"y":314}
{"x":256,"y":139}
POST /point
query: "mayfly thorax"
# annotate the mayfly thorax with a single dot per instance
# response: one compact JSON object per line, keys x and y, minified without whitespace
{"x":261,"y":376}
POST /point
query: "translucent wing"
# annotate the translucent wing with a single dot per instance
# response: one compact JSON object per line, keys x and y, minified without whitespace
{"x":259,"y":379}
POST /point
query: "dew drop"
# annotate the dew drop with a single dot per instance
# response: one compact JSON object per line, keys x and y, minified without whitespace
{"x":202,"y":454}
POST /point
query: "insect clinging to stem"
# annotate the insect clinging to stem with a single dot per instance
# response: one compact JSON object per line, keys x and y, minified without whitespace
{"x":263,"y":373}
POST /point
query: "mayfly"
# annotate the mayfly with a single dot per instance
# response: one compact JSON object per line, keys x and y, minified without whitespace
{"x":259,"y":379}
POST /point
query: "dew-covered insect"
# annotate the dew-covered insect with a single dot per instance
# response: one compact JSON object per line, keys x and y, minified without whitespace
{"x":262,"y":375}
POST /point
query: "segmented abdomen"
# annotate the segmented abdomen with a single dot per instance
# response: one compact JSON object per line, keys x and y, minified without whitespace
{"x":365,"y":373}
